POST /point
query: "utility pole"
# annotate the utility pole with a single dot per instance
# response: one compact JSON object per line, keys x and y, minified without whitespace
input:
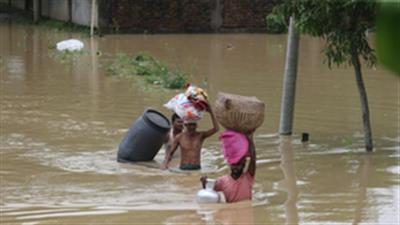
{"x":289,"y":81}
{"x":93,"y":17}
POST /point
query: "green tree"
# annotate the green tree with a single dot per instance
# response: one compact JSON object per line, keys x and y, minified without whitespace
{"x":344,"y":26}
{"x":388,"y":35}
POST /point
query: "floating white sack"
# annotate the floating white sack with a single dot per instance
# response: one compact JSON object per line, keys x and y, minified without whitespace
{"x":70,"y":45}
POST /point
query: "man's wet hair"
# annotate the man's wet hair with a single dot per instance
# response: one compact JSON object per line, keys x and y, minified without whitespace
{"x":174,"y":117}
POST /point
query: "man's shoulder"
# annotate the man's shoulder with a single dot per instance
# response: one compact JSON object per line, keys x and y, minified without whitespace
{"x":183,"y":134}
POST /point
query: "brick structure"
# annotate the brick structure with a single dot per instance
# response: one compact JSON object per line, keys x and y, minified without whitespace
{"x":157,"y":16}
{"x":246,"y":13}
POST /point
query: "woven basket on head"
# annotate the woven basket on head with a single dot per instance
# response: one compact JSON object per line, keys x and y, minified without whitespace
{"x":239,"y":113}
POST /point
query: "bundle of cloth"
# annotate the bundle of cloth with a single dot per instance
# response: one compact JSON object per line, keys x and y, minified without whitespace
{"x":189,"y":105}
{"x":235,"y":146}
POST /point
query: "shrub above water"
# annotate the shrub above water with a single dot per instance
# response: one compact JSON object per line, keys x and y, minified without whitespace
{"x":151,"y":70}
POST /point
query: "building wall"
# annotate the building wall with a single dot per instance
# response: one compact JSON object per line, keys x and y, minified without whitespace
{"x":162,"y":15}
{"x":248,"y":13}
{"x":81,"y":12}
{"x":185,"y":15}
{"x":20,"y":4}
{"x":58,"y":9}
{"x":44,"y":7}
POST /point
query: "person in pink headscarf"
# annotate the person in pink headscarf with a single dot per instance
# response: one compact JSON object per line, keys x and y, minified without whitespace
{"x":237,"y":186}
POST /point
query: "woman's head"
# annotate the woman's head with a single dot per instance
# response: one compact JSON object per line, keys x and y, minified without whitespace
{"x":237,"y":168}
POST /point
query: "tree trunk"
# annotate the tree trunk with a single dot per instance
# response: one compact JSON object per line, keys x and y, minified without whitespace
{"x":364,"y":100}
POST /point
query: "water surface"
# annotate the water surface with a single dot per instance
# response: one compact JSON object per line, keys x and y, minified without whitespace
{"x":61,"y":121}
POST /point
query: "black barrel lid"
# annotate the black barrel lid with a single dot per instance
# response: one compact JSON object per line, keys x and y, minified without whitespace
{"x":157,"y":119}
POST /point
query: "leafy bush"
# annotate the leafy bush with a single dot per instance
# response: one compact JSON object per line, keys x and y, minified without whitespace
{"x":151,"y":70}
{"x":176,"y":80}
{"x":276,"y":23}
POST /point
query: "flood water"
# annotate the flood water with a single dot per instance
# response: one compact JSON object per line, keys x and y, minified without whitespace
{"x":61,"y":121}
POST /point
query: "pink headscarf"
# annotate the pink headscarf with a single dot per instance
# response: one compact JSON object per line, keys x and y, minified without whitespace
{"x":235,"y":146}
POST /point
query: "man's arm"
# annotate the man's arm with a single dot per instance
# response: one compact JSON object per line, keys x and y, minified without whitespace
{"x":215,"y":127}
{"x":168,"y":148}
{"x":169,"y":152}
{"x":253,"y":156}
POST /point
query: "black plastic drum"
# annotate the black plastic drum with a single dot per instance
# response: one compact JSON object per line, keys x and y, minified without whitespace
{"x":144,"y":138}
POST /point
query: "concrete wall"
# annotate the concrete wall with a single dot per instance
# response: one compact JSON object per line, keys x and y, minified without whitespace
{"x":45,"y":8}
{"x":81,"y":12}
{"x":58,"y":9}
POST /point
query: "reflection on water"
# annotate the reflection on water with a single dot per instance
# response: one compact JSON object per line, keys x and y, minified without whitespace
{"x":62,"y":120}
{"x":236,"y":213}
{"x":362,"y":190}
{"x":288,"y":184}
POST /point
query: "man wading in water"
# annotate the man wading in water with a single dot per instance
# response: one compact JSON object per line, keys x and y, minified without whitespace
{"x":177,"y":128}
{"x":190,"y":142}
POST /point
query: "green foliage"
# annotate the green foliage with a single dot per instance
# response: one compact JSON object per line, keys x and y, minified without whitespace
{"x":151,"y":70}
{"x":347,"y":140}
{"x":276,"y":23}
{"x":177,"y":81}
{"x":343,"y":24}
{"x":121,"y":66}
{"x":388,"y":35}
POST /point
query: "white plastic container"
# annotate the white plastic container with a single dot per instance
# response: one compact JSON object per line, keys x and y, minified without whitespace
{"x":208,"y":195}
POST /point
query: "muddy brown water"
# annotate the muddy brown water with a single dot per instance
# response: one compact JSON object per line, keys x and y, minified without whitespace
{"x":61,"y":121}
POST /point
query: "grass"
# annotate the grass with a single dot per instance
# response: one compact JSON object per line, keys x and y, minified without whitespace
{"x":149,"y":69}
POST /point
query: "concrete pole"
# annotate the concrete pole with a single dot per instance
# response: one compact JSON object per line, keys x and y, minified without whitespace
{"x":36,"y":10}
{"x":93,"y":18}
{"x":216,"y":15}
{"x":289,"y":81}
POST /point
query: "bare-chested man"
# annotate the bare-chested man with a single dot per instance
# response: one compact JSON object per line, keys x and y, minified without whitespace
{"x":190,"y":142}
